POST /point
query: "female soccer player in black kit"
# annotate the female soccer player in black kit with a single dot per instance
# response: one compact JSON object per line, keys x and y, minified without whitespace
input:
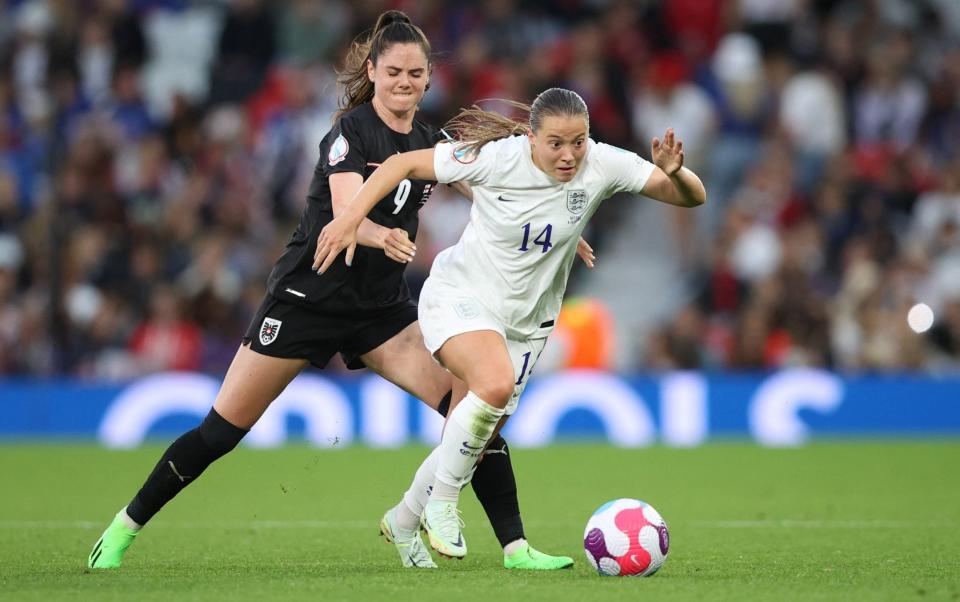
{"x":364,"y":311}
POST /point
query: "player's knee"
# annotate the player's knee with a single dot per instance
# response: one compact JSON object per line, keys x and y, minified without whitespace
{"x":496,"y":391}
{"x":218,"y":434}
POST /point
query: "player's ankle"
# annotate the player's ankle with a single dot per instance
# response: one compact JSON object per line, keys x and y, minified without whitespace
{"x":444,"y":492}
{"x":406,"y":520}
{"x":129,"y":522}
{"x":511,"y":548}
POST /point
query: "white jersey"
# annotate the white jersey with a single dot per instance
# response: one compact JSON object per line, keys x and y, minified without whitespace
{"x":515,"y":254}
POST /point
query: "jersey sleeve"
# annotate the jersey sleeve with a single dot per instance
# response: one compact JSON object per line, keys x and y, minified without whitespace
{"x":453,"y":162}
{"x":625,"y":171}
{"x":347,"y":152}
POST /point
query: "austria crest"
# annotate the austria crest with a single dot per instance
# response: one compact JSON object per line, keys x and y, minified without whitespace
{"x":576,"y":201}
{"x":269,"y":331}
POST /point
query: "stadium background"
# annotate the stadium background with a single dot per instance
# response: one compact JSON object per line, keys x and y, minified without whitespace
{"x":154,"y":157}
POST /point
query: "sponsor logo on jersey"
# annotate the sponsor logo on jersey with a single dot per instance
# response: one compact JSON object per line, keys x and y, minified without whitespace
{"x":269,"y":331}
{"x":338,"y":150}
{"x":576,"y":201}
{"x":464,"y":154}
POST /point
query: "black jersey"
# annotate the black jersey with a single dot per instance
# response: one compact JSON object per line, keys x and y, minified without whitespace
{"x":358,"y":142}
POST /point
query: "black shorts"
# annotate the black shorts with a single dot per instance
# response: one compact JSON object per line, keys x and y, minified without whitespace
{"x":281,"y":329}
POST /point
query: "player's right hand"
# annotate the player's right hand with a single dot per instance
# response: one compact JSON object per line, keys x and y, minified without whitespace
{"x":398,"y":246}
{"x":336,"y":236}
{"x":585,"y":251}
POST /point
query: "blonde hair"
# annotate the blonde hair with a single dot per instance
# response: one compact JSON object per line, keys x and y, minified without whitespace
{"x":392,"y":27}
{"x":477,"y":126}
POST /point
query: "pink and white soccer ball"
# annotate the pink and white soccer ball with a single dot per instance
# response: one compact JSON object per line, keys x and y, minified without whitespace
{"x":626,"y":538}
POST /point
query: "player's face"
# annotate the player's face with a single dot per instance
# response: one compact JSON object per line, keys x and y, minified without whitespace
{"x":400,"y":77}
{"x":559,"y":145}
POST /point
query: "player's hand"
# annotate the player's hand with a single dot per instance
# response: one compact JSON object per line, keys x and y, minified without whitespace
{"x":336,"y":236}
{"x":586,"y":253}
{"x":398,"y":246}
{"x":667,"y":155}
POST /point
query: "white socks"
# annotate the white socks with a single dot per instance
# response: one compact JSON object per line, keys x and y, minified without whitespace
{"x":129,"y":522}
{"x":467,"y":432}
{"x":411,"y":507}
{"x":513,"y":546}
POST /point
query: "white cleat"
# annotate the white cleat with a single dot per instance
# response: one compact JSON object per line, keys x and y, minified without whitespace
{"x":442,"y":522}
{"x":413,"y":554}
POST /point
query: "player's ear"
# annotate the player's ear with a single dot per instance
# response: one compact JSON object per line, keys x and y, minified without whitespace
{"x":532,"y":138}
{"x":370,"y":69}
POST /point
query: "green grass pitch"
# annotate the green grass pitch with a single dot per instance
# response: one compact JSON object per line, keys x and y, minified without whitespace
{"x":832,"y":521}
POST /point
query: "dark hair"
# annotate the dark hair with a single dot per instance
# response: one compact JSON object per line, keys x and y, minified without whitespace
{"x":392,"y":27}
{"x":478,"y":126}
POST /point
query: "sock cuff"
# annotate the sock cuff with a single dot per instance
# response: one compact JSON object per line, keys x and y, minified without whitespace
{"x":476,"y":416}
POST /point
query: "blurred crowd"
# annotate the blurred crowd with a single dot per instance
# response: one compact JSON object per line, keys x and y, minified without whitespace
{"x":154,"y":156}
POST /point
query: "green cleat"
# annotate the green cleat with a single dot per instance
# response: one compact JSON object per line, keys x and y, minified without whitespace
{"x":529,"y":559}
{"x":108,"y":553}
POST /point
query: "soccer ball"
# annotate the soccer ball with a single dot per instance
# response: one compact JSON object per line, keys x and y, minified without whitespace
{"x":626,"y":537}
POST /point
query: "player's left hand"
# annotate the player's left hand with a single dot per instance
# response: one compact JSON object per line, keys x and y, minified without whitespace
{"x":586,"y":253}
{"x":336,"y":236}
{"x":667,"y":155}
{"x":398,"y":246}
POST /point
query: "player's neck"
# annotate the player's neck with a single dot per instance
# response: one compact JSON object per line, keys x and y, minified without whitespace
{"x":402,"y":123}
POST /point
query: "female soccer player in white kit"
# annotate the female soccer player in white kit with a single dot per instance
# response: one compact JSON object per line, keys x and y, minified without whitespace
{"x":492,"y":299}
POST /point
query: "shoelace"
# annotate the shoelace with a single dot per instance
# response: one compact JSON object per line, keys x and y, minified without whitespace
{"x":449,"y":514}
{"x":417,"y":549}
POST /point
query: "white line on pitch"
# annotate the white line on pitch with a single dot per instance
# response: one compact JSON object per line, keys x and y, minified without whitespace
{"x":820,"y":524}
{"x":256,"y":524}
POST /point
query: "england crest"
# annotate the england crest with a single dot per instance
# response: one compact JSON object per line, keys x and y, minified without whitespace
{"x":269,"y":331}
{"x":576,"y":201}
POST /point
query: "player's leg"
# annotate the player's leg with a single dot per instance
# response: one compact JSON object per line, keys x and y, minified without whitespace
{"x":251,"y":384}
{"x":480,"y":359}
{"x":496,"y":488}
{"x":494,"y":481}
{"x":393,"y":348}
{"x":517,"y":553}
{"x":404,"y":361}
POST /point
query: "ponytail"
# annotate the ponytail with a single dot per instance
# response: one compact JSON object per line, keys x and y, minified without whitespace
{"x":478,"y":127}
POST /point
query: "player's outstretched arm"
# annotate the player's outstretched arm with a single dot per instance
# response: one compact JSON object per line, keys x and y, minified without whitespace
{"x":671,"y":182}
{"x":341,"y":232}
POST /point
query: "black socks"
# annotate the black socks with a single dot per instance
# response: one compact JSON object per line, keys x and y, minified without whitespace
{"x":496,"y":488}
{"x":182,"y":464}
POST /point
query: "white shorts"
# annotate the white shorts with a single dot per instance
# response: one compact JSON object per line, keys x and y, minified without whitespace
{"x":444,"y":312}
